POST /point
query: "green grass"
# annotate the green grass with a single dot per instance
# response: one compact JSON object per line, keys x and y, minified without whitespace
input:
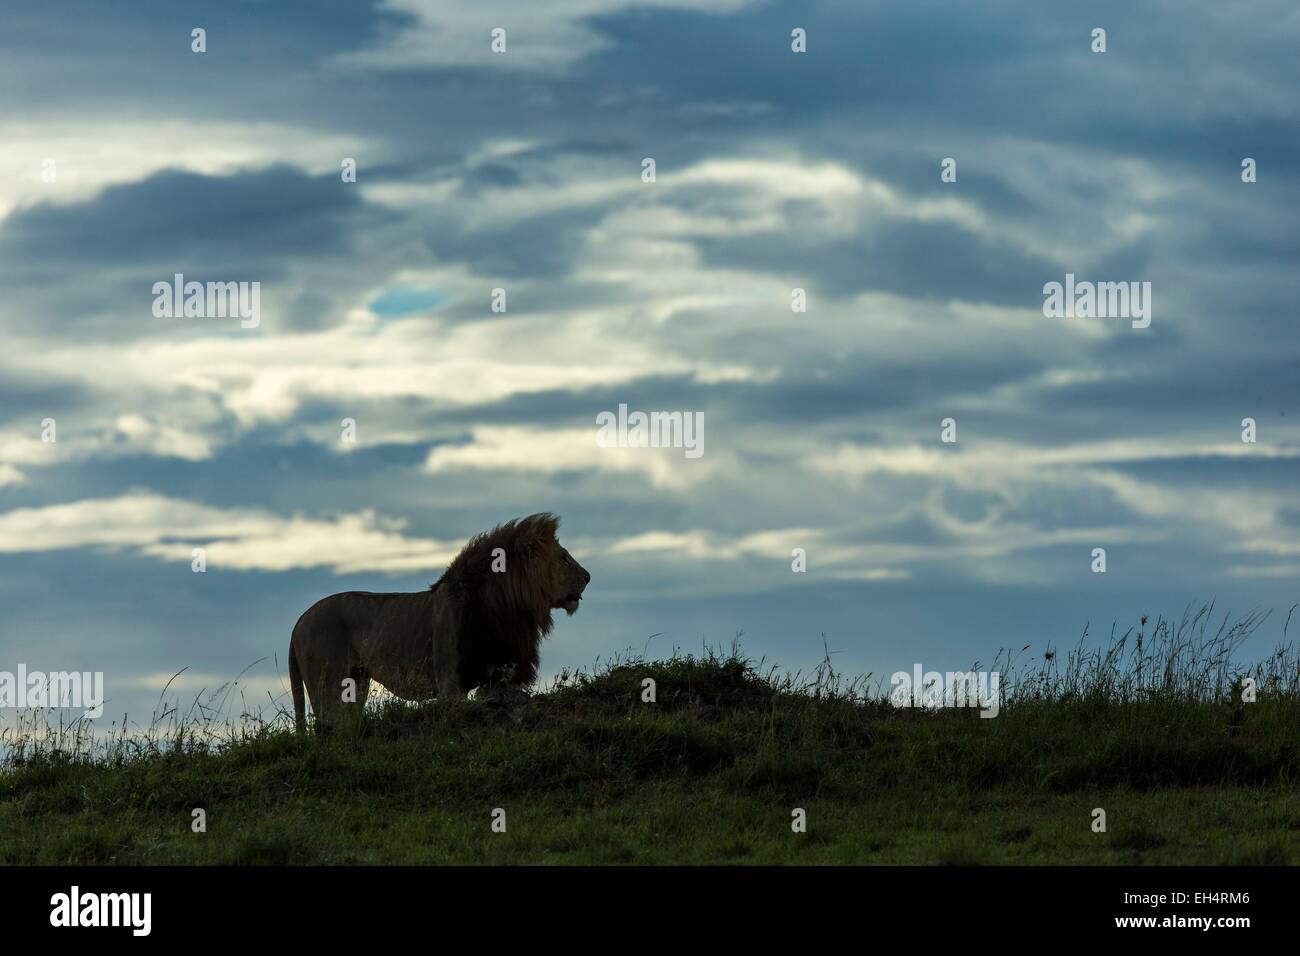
{"x":588,"y":773}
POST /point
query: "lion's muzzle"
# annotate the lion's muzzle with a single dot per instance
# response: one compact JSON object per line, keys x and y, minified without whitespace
{"x":576,"y":580}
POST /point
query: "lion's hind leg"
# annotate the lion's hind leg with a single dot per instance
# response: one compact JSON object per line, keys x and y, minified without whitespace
{"x":337,"y":695}
{"x":356,"y":711}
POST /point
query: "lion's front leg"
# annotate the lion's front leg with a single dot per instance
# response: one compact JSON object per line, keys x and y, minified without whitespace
{"x":445,"y":656}
{"x":449,"y":685}
{"x":447,"y":679}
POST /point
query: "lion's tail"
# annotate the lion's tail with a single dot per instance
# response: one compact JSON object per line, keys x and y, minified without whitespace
{"x":295,"y":688}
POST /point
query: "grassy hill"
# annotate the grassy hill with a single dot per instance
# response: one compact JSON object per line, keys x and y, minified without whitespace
{"x":1151,"y":729}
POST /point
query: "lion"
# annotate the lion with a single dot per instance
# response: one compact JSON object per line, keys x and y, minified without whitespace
{"x":478,"y":626}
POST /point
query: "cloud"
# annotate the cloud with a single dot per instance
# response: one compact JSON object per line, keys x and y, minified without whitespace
{"x":79,"y":439}
{"x":556,"y":451}
{"x":90,"y":154}
{"x":457,"y":33}
{"x":239,"y":539}
{"x":701,"y":545}
{"x":1005,"y":461}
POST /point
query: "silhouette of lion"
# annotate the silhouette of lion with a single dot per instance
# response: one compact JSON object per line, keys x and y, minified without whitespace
{"x":478,"y":626}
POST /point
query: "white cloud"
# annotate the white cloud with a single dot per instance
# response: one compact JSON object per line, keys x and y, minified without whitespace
{"x":266,"y":378}
{"x":872,"y":574}
{"x":97,"y":434}
{"x":1005,"y":460}
{"x":162,"y":439}
{"x":541,"y":36}
{"x":242,"y":539}
{"x":552,"y":451}
{"x":702,"y":545}
{"x":841,"y":561}
{"x":93,"y":153}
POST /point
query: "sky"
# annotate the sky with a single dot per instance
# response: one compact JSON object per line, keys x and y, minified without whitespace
{"x":126,"y":157}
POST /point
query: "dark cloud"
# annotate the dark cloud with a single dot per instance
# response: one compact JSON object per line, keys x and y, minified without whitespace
{"x":93,"y":264}
{"x":544,"y":246}
{"x":195,"y":221}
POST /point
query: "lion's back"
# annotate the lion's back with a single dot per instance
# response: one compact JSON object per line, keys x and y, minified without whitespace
{"x":337,"y":615}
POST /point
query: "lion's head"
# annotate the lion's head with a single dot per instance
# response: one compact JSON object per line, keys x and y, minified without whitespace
{"x":522,"y":564}
{"x":512,"y":578}
{"x":573,"y":579}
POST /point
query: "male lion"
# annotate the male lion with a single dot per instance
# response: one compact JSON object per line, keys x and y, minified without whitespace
{"x":479,"y":626}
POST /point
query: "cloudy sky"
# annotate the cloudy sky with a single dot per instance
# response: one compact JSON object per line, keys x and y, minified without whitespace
{"x":125,"y":158}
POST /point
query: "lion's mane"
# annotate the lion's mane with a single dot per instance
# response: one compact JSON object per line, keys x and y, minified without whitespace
{"x":504,"y":614}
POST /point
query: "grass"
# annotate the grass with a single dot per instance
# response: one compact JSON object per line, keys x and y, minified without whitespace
{"x":1150,"y":728}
